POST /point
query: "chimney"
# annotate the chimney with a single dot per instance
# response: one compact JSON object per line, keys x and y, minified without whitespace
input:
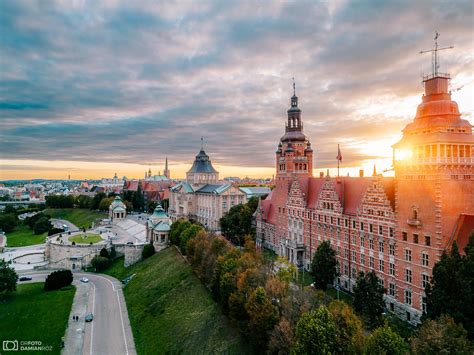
{"x":361,"y":173}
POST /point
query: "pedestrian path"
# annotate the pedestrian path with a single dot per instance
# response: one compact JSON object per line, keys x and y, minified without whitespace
{"x":74,"y":340}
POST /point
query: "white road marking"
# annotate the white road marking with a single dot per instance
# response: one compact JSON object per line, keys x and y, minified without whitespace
{"x":123,"y":327}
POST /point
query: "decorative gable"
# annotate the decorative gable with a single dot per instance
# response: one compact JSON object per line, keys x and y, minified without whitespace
{"x":328,"y":198}
{"x":375,"y":203}
{"x":296,"y":197}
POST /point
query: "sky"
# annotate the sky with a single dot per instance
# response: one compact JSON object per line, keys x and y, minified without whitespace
{"x":90,"y":88}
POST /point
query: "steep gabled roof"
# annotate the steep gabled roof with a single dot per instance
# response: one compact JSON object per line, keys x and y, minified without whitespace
{"x":462,"y":231}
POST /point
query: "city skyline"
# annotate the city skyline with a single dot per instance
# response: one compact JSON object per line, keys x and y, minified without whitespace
{"x":88,"y":92}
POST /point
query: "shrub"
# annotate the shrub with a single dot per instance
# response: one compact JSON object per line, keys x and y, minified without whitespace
{"x":100,"y":263}
{"x":148,"y":250}
{"x":104,"y":253}
{"x":58,"y":279}
{"x":385,"y":341}
{"x":54,"y":231}
{"x":42,"y":225}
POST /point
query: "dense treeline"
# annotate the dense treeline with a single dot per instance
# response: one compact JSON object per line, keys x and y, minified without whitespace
{"x":278,"y":317}
{"x":134,"y":200}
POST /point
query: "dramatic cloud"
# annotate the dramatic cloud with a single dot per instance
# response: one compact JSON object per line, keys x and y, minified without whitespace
{"x":131,"y":82}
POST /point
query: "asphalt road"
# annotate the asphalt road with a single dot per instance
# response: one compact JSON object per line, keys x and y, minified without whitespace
{"x":110,"y":331}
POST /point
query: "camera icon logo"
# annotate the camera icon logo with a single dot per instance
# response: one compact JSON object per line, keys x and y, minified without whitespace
{"x":10,"y":345}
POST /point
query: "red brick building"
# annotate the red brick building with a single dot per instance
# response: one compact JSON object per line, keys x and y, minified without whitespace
{"x":396,"y":226}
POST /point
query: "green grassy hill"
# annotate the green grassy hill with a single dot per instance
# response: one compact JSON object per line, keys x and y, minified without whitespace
{"x":81,"y":217}
{"x":172,"y":312}
{"x":22,"y":236}
{"x":27,"y":314}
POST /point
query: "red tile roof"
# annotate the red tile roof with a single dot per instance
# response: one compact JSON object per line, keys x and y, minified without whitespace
{"x":351,"y":191}
{"x":463,"y":230}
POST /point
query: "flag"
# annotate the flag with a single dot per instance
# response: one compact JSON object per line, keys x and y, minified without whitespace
{"x":339,"y":155}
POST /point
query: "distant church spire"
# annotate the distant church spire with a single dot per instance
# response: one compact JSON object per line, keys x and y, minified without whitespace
{"x":375,"y":171}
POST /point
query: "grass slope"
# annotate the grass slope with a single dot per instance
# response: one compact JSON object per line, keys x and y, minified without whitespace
{"x":81,"y":217}
{"x":172,"y":312}
{"x":22,"y":236}
{"x":27,"y":315}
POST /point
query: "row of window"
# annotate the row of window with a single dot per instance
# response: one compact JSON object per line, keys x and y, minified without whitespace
{"x":416,"y":238}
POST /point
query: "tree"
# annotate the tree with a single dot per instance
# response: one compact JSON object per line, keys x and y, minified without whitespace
{"x":176,"y":229}
{"x":281,"y":338}
{"x":238,"y":222}
{"x":105,"y":203}
{"x":8,"y":222}
{"x":100,"y":263}
{"x":385,"y":341}
{"x":54,"y":231}
{"x":441,"y":336}
{"x":286,"y":270}
{"x":8,"y":278}
{"x":315,"y":333}
{"x":349,"y":328}
{"x":104,"y":253}
{"x":151,"y":206}
{"x":83,"y":201}
{"x":138,"y":200}
{"x":451,"y":290}
{"x":323,"y":266}
{"x":58,"y":279}
{"x":187,"y":235}
{"x":113,"y":253}
{"x":368,"y":299}
{"x":263,"y":316}
{"x":95,"y":202}
{"x":148,"y":250}
{"x":165,"y":203}
{"x":42,"y":225}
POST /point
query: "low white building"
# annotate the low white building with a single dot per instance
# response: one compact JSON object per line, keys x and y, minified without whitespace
{"x":158,"y":228}
{"x":117,"y":209}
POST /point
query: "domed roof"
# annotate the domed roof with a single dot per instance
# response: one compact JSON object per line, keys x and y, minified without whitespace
{"x":117,"y":203}
{"x":293,"y":136}
{"x":202,"y":164}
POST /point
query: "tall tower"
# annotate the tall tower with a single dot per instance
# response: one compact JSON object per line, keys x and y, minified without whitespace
{"x":434,"y":170}
{"x":294,"y":156}
{"x":166,"y":172}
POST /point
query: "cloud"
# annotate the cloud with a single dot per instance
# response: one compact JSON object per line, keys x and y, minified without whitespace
{"x":133,"y":82}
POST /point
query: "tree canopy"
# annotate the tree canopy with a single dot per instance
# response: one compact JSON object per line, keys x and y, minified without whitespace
{"x":451,"y":290}
{"x":8,"y":278}
{"x":368,"y":299}
{"x":323,"y":265}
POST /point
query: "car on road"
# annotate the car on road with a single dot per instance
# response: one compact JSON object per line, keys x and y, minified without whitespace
{"x":130,"y":243}
{"x":89,"y":317}
{"x":84,"y":280}
{"x":25,"y":278}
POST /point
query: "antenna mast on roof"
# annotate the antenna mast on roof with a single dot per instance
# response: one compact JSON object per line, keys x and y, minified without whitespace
{"x":434,"y":54}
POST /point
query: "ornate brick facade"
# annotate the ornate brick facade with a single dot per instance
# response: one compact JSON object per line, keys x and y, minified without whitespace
{"x":397,"y":227}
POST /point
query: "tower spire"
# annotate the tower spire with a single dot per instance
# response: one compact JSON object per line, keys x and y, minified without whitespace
{"x":294,"y":87}
{"x":202,"y":143}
